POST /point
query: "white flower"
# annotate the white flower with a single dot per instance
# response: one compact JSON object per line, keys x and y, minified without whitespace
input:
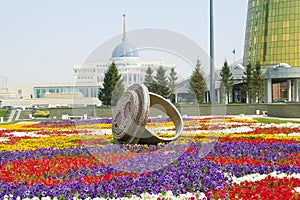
{"x":296,"y":189}
{"x":46,"y":198}
{"x":257,"y":177}
{"x":7,"y":197}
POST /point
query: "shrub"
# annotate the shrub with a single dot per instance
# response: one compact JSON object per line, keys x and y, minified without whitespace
{"x":3,"y":113}
{"x":41,"y":113}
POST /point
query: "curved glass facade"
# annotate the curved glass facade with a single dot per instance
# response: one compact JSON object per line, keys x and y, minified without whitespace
{"x":273,"y":32}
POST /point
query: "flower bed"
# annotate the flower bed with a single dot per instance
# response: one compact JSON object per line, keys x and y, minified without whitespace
{"x":215,"y":158}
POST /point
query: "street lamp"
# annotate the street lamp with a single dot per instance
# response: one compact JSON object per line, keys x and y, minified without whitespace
{"x":212,"y":64}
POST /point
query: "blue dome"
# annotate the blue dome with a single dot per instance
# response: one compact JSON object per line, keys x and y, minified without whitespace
{"x":124,"y":50}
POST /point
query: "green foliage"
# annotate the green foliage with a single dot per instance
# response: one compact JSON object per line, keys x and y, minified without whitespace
{"x":172,"y":80}
{"x":197,"y":84}
{"x":117,"y":92}
{"x":247,"y":87}
{"x":226,"y":79}
{"x":258,"y":83}
{"x":111,"y":78}
{"x":253,"y":83}
{"x":275,"y":121}
{"x":149,"y":78}
{"x":41,"y":113}
{"x":3,"y":113}
{"x":160,"y":83}
{"x":172,"y":83}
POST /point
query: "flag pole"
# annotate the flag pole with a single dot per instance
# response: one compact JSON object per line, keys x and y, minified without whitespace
{"x":233,"y":56}
{"x":212,"y":67}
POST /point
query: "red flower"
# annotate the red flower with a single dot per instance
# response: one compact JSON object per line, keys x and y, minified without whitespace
{"x":191,"y":150}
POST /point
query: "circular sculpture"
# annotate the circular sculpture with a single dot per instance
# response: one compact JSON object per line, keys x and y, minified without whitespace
{"x":131,"y":114}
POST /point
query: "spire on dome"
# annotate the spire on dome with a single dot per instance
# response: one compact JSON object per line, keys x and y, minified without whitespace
{"x":124,"y":39}
{"x":124,"y":49}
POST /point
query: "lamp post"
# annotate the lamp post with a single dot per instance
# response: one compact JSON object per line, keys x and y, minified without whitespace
{"x":212,"y":64}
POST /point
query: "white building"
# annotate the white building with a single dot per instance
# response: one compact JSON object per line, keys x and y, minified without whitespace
{"x":131,"y":67}
{"x":87,"y":80}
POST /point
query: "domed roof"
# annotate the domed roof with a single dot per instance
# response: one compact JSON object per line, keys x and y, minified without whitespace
{"x":124,"y":49}
{"x":238,"y":67}
{"x":282,"y":65}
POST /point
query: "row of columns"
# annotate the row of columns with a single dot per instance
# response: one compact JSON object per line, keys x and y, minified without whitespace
{"x":292,"y":90}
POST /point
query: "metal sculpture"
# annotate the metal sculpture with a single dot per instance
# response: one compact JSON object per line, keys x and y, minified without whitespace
{"x":132,"y":111}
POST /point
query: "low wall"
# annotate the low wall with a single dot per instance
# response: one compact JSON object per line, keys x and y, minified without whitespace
{"x":274,"y":110}
{"x":285,"y":110}
{"x":90,"y":111}
{"x":190,"y":110}
{"x":230,"y":109}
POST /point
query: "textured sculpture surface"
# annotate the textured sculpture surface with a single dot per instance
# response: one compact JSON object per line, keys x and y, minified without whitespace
{"x":131,"y":114}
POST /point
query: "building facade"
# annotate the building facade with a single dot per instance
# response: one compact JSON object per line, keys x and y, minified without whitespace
{"x":273,"y":32}
{"x":272,"y":38}
{"x":131,"y":67}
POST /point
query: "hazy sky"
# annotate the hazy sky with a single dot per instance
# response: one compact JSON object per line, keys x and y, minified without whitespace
{"x":40,"y":41}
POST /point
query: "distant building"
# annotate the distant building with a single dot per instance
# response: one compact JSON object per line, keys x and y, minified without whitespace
{"x":126,"y":57}
{"x":3,"y":85}
{"x":65,"y":91}
{"x":272,"y":37}
{"x":88,"y":79}
{"x":273,"y":33}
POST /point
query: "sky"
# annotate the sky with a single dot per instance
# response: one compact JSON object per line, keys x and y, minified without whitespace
{"x":41,"y":41}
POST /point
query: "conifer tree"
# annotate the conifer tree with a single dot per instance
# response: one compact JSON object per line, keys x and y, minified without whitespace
{"x":111,"y":78}
{"x":117,"y":92}
{"x":149,"y":78}
{"x":172,"y":83}
{"x":226,"y":80}
{"x":258,"y":82}
{"x":197,"y":84}
{"x":247,"y":87}
{"x":160,"y":83}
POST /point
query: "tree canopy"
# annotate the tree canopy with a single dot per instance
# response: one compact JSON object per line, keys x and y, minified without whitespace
{"x":172,"y":83}
{"x":112,"y":84}
{"x":197,"y":84}
{"x":247,"y":87}
{"x":149,"y":78}
{"x":160,"y":84}
{"x":226,"y":80}
{"x":258,"y":82}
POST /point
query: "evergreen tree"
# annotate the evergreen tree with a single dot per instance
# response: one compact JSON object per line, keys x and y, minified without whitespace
{"x":160,"y":83}
{"x":226,"y":80}
{"x":247,"y":87}
{"x":149,"y":78}
{"x":117,"y":92}
{"x":258,"y":82}
{"x":172,"y":82}
{"x":111,"y":77}
{"x":197,"y":84}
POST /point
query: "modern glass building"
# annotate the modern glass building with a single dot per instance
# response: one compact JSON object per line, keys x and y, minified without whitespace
{"x":273,"y":32}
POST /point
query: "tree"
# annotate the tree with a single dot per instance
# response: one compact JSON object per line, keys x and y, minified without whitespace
{"x":172,"y":82}
{"x":226,"y":80}
{"x":197,"y":84}
{"x":117,"y":92}
{"x":258,"y":82}
{"x":247,"y":87}
{"x":111,"y":78}
{"x":149,"y":78}
{"x":160,"y":83}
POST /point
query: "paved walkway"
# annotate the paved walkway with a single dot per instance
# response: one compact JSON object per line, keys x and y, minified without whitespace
{"x":261,"y":116}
